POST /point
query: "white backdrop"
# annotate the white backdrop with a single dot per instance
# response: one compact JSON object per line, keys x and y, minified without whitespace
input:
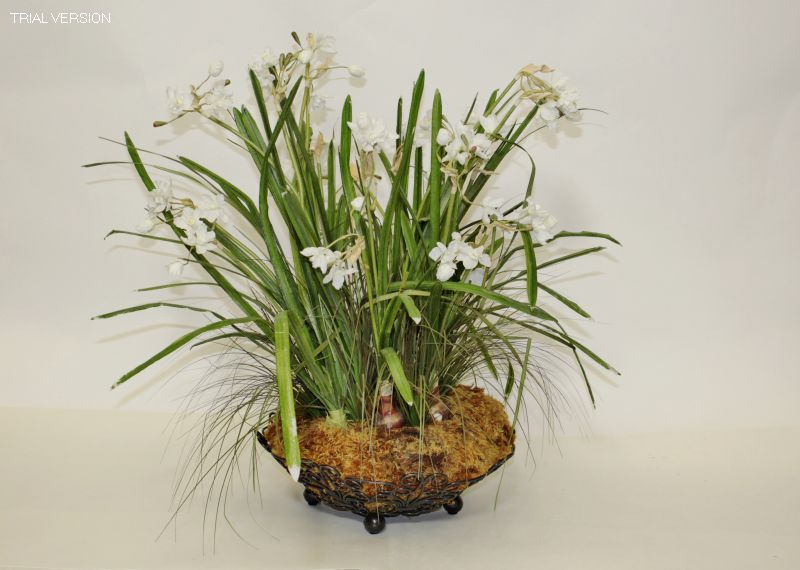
{"x":692,"y":170}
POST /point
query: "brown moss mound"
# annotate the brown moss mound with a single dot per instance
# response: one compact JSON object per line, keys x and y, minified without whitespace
{"x":476,"y":436}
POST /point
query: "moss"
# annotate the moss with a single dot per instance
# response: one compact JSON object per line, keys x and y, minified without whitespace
{"x":464,"y":446}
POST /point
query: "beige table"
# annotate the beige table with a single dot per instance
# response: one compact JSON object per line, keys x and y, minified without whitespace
{"x":91,"y":490}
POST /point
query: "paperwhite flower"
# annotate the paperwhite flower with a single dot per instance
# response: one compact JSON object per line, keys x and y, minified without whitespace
{"x":465,"y":141}
{"x":189,"y":218}
{"x":321,"y":257}
{"x":179,"y":100}
{"x":358,"y":203}
{"x":176,"y":267}
{"x":216,"y":101}
{"x":446,"y":256}
{"x":491,"y":209}
{"x":200,"y":238}
{"x":305,"y":56}
{"x":422,"y":134}
{"x":339,"y":271}
{"x":489,"y":123}
{"x":564,"y":102}
{"x":210,"y":207}
{"x":444,"y":136}
{"x":261,"y":66}
{"x":540,"y":221}
{"x":481,"y":146}
{"x":158,"y":198}
{"x":318,"y":52}
{"x":215,"y":68}
{"x":355,"y":70}
{"x":322,"y":43}
{"x":567,"y":99}
{"x":470,"y":256}
{"x":371,"y":134}
{"x":447,"y":267}
{"x":457,"y":251}
{"x":549,"y":113}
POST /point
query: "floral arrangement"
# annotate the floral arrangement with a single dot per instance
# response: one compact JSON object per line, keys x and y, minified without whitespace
{"x":397,"y":278}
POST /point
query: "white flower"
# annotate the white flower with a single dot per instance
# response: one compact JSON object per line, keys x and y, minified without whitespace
{"x":491,"y":209}
{"x":464,"y":141}
{"x":489,"y":123}
{"x":446,"y":256}
{"x":318,"y":52}
{"x":358,"y":203}
{"x":261,"y":66}
{"x":480,"y":145}
{"x":322,"y":43}
{"x":210,"y":207}
{"x":447,"y":267}
{"x":564,"y":101}
{"x":176,"y":267}
{"x":215,"y":68}
{"x":422,"y":134}
{"x":371,"y":134}
{"x":189,"y":218}
{"x":339,"y":271}
{"x":158,"y":198}
{"x":457,"y":251}
{"x":567,"y":99}
{"x":179,"y":100}
{"x":305,"y":56}
{"x":549,"y":113}
{"x":540,"y":221}
{"x":471,"y":256}
{"x":321,"y":257}
{"x":355,"y":70}
{"x":200,"y":238}
{"x":216,"y":101}
{"x":443,"y":136}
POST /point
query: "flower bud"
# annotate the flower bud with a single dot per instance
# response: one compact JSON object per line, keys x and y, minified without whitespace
{"x":305,"y":56}
{"x":355,"y":70}
{"x":215,"y":68}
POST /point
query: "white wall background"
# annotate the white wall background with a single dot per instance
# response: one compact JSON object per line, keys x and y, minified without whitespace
{"x":695,"y":169}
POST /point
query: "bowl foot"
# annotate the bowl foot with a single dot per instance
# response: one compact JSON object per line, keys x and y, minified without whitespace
{"x":454,"y":506}
{"x":374,"y":523}
{"x":310,"y":498}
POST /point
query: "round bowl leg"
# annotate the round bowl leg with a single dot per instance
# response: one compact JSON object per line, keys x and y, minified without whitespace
{"x":374,"y":523}
{"x":310,"y":497}
{"x":454,"y":506}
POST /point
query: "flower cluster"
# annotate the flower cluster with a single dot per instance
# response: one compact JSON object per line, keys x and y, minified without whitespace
{"x":461,"y":140}
{"x":336,"y":266}
{"x":457,"y":251}
{"x":555,"y":99}
{"x":539,"y":220}
{"x":158,"y":202}
{"x":213,"y":102}
{"x":312,"y":57}
{"x":371,"y":134}
{"x":197,"y":220}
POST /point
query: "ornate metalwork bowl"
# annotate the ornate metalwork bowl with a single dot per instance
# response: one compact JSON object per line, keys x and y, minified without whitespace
{"x":411,"y":496}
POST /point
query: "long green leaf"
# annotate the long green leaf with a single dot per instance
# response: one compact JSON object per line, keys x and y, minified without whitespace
{"x":172,"y":347}
{"x":283,"y":366}
{"x":398,"y":375}
{"x":531,"y":274}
